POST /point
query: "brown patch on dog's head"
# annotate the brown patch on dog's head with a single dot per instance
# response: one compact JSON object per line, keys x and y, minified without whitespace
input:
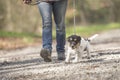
{"x":74,"y":41}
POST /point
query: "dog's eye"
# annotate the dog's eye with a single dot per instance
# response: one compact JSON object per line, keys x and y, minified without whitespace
{"x":71,"y":39}
{"x":75,"y":39}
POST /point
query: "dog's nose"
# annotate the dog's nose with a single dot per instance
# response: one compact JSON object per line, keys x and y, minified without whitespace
{"x":73,"y":45}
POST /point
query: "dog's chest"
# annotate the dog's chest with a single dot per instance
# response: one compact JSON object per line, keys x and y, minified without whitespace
{"x":70,"y":50}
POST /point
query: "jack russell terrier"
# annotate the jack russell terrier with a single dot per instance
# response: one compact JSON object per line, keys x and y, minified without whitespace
{"x":77,"y":45}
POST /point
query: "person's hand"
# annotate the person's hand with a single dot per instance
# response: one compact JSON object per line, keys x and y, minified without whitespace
{"x":27,"y":1}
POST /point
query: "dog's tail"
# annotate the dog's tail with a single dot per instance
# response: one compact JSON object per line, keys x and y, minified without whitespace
{"x":92,"y":37}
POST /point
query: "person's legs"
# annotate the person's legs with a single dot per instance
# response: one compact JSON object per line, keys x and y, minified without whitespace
{"x":59,"y":10}
{"x":46,"y":13}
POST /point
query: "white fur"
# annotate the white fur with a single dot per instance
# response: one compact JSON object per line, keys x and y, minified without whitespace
{"x":78,"y":52}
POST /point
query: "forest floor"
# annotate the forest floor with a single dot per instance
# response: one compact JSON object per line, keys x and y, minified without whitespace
{"x":26,"y":64}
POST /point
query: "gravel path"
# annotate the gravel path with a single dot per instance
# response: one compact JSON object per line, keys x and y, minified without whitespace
{"x":26,"y":64}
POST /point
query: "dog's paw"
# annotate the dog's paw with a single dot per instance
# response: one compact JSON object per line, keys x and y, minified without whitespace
{"x":75,"y":61}
{"x":67,"y":62}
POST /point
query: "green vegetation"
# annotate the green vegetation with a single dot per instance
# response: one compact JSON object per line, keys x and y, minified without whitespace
{"x":17,"y":35}
{"x":92,"y":29}
{"x":26,"y":37}
{"x":80,"y":30}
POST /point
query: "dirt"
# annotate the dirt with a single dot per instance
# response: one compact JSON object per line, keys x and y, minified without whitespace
{"x":26,"y":64}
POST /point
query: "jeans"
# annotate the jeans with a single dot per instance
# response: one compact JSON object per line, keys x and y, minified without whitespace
{"x":58,"y":9}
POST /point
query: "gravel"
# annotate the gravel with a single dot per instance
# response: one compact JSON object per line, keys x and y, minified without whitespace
{"x":26,"y":64}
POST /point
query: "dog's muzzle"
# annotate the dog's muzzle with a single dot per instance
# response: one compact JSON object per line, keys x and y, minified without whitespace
{"x":73,"y":45}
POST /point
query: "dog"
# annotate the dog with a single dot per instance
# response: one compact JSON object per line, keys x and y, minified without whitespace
{"x":77,"y":45}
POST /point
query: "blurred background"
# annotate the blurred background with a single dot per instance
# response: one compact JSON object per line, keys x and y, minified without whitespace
{"x":20,"y":24}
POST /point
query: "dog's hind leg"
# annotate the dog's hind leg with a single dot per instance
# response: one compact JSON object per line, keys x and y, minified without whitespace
{"x":88,"y":52}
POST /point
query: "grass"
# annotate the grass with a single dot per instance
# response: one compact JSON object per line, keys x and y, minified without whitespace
{"x":26,"y":37}
{"x":92,"y":29}
{"x":17,"y":34}
{"x":80,"y":30}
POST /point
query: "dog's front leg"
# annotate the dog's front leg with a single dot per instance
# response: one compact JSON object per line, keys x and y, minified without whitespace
{"x":77,"y":56}
{"x":67,"y":60}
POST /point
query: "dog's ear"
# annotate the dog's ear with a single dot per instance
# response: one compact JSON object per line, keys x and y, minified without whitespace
{"x":79,"y":38}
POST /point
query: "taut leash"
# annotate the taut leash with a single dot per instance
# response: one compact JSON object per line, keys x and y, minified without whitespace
{"x":74,"y":14}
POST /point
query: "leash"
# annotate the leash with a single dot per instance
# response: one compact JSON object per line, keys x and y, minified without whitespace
{"x":74,"y":15}
{"x":36,"y":2}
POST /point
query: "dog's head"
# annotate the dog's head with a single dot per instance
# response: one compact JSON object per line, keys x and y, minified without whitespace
{"x":74,"y":41}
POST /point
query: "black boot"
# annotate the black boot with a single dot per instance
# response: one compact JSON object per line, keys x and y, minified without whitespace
{"x":46,"y":55}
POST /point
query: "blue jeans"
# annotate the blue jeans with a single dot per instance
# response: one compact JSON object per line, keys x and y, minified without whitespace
{"x":58,"y":9}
